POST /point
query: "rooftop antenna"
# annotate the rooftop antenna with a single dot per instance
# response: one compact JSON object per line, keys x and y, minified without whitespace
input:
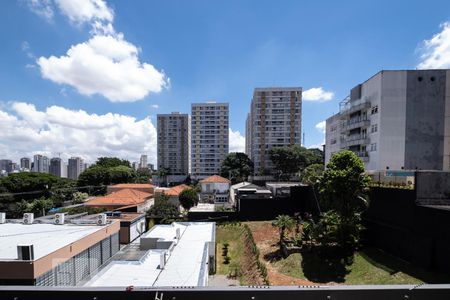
{"x":304,"y":144}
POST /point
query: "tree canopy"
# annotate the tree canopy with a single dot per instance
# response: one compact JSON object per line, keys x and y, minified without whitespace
{"x":289,"y":160}
{"x":237,"y":167}
{"x":188,"y":198}
{"x":163,"y":209}
{"x":109,"y":162}
{"x":342,"y":189}
{"x":106,"y":171}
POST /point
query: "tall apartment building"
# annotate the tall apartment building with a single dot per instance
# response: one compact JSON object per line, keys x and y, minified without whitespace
{"x":75,"y":167}
{"x":58,"y":167}
{"x":143,"y":161}
{"x":275,"y":120}
{"x":209,"y":138}
{"x":396,"y":120}
{"x":173,"y":131}
{"x":6,"y":165}
{"x":40,"y":163}
{"x":25,"y":163}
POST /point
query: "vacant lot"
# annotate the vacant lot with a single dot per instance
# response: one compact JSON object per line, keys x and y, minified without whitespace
{"x":368,"y":266}
{"x":241,"y":262}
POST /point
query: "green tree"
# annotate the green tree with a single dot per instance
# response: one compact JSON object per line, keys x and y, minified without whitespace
{"x":283,"y":222}
{"x":313,"y":156}
{"x":27,"y":185}
{"x":288,"y":160}
{"x":94,"y":176}
{"x":79,"y":197}
{"x":342,"y":189}
{"x":162,"y":174}
{"x":312,"y":174}
{"x":143,"y":175}
{"x":188,"y":198}
{"x":163,"y":209}
{"x":237,"y":167}
{"x":110,"y":162}
{"x":63,"y":191}
{"x":121,"y":174}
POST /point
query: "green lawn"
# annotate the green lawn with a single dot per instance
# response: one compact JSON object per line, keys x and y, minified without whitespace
{"x":231,"y":234}
{"x":369,"y":266}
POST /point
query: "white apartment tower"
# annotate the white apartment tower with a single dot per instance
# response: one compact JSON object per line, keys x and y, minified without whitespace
{"x":173,"y":131}
{"x":395,"y":120}
{"x":143,"y":161}
{"x":209,"y":138}
{"x":275,"y":120}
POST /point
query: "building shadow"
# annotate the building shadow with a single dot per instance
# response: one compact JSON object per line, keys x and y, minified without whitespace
{"x":323,"y":265}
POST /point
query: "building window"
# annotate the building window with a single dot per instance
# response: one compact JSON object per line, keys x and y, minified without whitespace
{"x":373,"y":147}
{"x":374,"y":109}
{"x":333,"y":141}
{"x":374,"y":128}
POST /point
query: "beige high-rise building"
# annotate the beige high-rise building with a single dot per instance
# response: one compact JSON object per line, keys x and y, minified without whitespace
{"x":173,"y":143}
{"x":209,"y":138}
{"x":275,"y":120}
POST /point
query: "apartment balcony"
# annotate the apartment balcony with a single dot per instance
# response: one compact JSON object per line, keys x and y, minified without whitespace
{"x":354,"y":106}
{"x":363,"y":155}
{"x":355,"y":123}
{"x":354,"y":140}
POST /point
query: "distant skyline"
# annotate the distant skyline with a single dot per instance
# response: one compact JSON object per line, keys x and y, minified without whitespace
{"x":88,"y":77}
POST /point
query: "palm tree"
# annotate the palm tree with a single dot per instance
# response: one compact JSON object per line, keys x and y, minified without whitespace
{"x":283,"y":222}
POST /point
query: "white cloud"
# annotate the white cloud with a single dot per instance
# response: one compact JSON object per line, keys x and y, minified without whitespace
{"x":80,"y":11}
{"x":105,"y":65}
{"x":321,"y":126}
{"x":73,"y":132}
{"x":42,"y":8}
{"x":237,"y":141}
{"x":317,"y":94}
{"x":155,"y":106}
{"x":27,"y":50}
{"x":436,"y":51}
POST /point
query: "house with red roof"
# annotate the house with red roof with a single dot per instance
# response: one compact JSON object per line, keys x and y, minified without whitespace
{"x":215,"y":189}
{"x":128,"y":199}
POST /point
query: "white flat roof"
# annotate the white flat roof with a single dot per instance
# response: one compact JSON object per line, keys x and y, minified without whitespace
{"x":185,"y":265}
{"x":46,"y":238}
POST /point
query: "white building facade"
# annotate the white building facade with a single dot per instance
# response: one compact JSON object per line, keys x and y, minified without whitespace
{"x":209,"y":138}
{"x":395,"y":120}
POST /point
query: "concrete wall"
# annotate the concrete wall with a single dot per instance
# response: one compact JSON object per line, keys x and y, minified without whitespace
{"x":433,"y":187}
{"x":425,"y":110}
{"x":391,"y":121}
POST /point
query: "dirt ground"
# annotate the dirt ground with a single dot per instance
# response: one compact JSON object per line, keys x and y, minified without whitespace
{"x":266,"y":238}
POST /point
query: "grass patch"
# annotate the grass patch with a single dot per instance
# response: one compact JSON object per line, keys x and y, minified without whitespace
{"x":368,"y":266}
{"x":231,"y":234}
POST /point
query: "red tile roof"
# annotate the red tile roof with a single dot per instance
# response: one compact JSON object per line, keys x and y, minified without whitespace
{"x":215,"y":179}
{"x":121,"y":198}
{"x":133,"y":185}
{"x":176,"y":190}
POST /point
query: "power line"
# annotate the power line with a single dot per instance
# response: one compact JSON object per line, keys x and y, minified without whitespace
{"x":53,"y":190}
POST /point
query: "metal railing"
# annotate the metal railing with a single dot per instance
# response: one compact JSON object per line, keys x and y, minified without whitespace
{"x":366,"y":292}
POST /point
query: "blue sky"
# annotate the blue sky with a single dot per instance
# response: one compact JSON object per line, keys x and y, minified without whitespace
{"x":190,"y":51}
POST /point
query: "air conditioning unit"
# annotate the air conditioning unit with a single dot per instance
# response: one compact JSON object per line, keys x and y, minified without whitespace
{"x":2,"y":218}
{"x":101,"y":219}
{"x":28,"y":218}
{"x":25,"y":252}
{"x":59,"y":219}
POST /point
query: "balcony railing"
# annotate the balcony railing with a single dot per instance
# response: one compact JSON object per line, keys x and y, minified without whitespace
{"x":355,"y":139}
{"x":353,"y":106}
{"x":355,"y":123}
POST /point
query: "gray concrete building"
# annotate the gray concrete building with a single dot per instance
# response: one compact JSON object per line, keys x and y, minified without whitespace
{"x":25,"y":163}
{"x":58,"y":167}
{"x":6,"y":165}
{"x":275,"y":120}
{"x":395,"y":120}
{"x":75,"y":167}
{"x":173,"y":136}
{"x":209,"y":138}
{"x":40,"y":163}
